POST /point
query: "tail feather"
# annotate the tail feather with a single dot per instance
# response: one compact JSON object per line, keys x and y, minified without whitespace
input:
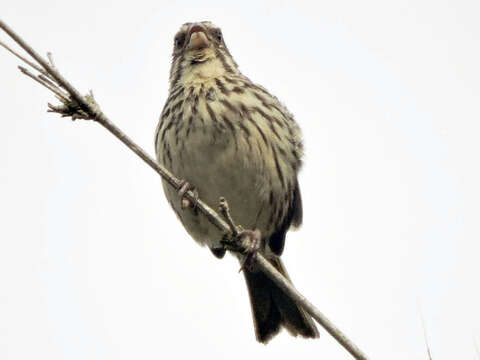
{"x":272,"y":309}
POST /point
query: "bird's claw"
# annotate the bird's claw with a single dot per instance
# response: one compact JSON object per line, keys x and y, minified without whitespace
{"x":253,"y":239}
{"x":185,"y":186}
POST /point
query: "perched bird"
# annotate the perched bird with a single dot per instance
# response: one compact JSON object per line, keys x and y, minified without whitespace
{"x":229,"y":137}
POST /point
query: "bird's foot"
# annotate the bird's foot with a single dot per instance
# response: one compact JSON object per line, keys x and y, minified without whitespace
{"x":251,"y":240}
{"x":185,"y":186}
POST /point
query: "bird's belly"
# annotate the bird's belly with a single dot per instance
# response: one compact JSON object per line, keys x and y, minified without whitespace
{"x":217,"y":166}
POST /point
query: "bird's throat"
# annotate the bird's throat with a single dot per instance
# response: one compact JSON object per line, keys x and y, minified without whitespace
{"x":198,"y":71}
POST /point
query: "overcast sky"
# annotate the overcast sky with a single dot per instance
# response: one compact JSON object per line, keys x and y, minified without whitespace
{"x":93,"y":262}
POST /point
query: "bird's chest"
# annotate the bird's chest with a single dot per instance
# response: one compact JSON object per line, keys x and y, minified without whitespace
{"x":199,"y":137}
{"x":211,"y":159}
{"x":194,"y":146}
{"x":225,"y":147}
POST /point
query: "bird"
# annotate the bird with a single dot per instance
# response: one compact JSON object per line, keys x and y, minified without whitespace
{"x":226,"y":136}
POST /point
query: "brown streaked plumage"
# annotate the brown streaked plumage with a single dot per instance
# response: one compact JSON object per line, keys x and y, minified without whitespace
{"x":229,"y":137}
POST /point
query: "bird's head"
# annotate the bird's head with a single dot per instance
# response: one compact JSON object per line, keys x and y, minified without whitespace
{"x":199,"y":54}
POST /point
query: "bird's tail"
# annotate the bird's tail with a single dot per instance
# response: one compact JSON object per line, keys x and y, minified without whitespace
{"x":272,"y":309}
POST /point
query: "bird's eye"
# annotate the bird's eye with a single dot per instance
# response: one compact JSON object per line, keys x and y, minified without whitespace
{"x":179,"y":40}
{"x":217,"y":34}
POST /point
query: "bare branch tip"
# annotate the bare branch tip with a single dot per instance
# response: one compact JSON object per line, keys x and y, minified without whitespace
{"x":23,"y":70}
{"x":50,"y":60}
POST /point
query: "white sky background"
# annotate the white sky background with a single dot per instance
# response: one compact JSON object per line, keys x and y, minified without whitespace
{"x":94,"y":264}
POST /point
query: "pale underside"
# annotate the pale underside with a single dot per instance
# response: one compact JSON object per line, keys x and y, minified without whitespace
{"x":236,"y":153}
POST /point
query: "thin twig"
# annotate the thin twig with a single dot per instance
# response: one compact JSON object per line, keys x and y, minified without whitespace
{"x":50,"y":59}
{"x":89,"y":106}
{"x":47,"y":80}
{"x":41,"y":81}
{"x":424,"y":331}
{"x":36,"y":67}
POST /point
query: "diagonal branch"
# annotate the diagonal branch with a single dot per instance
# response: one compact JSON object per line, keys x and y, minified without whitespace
{"x":78,"y":106}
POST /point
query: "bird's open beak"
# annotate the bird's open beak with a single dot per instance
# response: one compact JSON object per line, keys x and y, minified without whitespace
{"x":197,"y":38}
